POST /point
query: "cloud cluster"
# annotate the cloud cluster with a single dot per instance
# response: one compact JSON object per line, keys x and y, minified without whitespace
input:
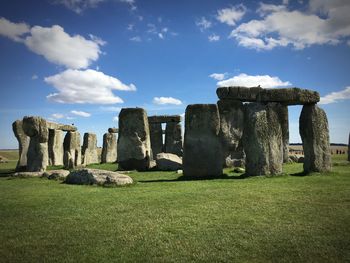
{"x":218,"y":76}
{"x":231,"y":15}
{"x":265,"y":81}
{"x":325,"y":22}
{"x":336,"y":96}
{"x":14,"y":31}
{"x":86,"y":86}
{"x":81,"y":113}
{"x":166,"y":101}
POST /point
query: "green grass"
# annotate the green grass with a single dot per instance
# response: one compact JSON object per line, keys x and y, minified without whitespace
{"x":165,"y":219}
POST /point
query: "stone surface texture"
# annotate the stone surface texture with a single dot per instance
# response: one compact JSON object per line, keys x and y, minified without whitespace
{"x":282,"y":111}
{"x":109,"y":149}
{"x":23,"y":144}
{"x":89,"y":149}
{"x":202,"y":155}
{"x":262,"y":139}
{"x":287,"y":96}
{"x":56,"y":174}
{"x":156,"y":135}
{"x":37,"y":155}
{"x":98,"y":177}
{"x":168,"y":162}
{"x":173,"y":138}
{"x":231,"y":132}
{"x":72,"y":150}
{"x":313,"y":128}
{"x":113,"y":130}
{"x":55,"y":146}
{"x":134,"y":144}
{"x":164,"y":118}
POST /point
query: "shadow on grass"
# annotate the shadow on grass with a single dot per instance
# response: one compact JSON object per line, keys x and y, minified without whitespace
{"x":300,"y":174}
{"x":199,"y":178}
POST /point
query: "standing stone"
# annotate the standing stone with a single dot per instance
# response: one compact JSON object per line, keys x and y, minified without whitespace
{"x":231,"y":132}
{"x":109,"y":149}
{"x":55,"y":147}
{"x":37,"y":155}
{"x":156,"y":134}
{"x":313,"y":128}
{"x":72,"y":150}
{"x":282,"y":111}
{"x":202,"y":155}
{"x":262,"y":139}
{"x":23,"y":143}
{"x":173,"y":138}
{"x":134,"y":143}
{"x":89,"y":150}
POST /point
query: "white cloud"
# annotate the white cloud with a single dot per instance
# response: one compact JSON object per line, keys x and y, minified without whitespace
{"x":166,"y":100}
{"x":160,"y":35}
{"x":116,"y":118}
{"x":13,"y":31}
{"x":203,"y":24}
{"x":336,"y":96}
{"x":326,"y":22}
{"x":34,"y":77}
{"x":57,"y":116}
{"x":70,"y":118}
{"x":86,"y":86}
{"x":265,"y":81}
{"x":130,"y":27}
{"x":81,"y":113}
{"x":218,"y":76}
{"x":231,"y":15}
{"x":111,"y":108}
{"x":213,"y":38}
{"x":136,"y":39}
{"x":285,"y":2}
{"x":60,"y":48}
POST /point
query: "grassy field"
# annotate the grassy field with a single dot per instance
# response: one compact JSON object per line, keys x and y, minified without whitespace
{"x":162,"y":218}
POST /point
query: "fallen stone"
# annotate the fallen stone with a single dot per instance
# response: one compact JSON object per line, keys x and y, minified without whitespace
{"x":109,"y":149}
{"x":56,"y":174}
{"x":262,"y":139}
{"x":27,"y":174}
{"x":173,"y":138}
{"x":314,"y":133}
{"x":23,"y":144}
{"x":164,"y":118}
{"x":98,"y":177}
{"x":134,"y":144}
{"x":231,"y":131}
{"x":89,"y":149}
{"x":202,"y":155}
{"x":168,"y":162}
{"x":286,"y":96}
{"x":55,"y":146}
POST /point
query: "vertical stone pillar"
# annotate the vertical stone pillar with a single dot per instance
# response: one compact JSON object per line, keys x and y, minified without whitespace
{"x":134,"y":143}
{"x":231,"y":132}
{"x":37,"y":155}
{"x":202,"y":155}
{"x":284,"y":121}
{"x":89,"y":149}
{"x":313,"y":128}
{"x":173,"y":138}
{"x":55,"y":145}
{"x":262,"y":139}
{"x":23,"y":144}
{"x":109,"y":149}
{"x":72,"y":150}
{"x":156,"y":134}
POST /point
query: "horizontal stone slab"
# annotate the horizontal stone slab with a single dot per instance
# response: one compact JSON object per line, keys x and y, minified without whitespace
{"x":113,"y":130}
{"x":164,"y":118}
{"x":62,"y":127}
{"x":287,"y":96}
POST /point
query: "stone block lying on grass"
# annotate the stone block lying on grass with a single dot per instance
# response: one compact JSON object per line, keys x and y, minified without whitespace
{"x":98,"y":177}
{"x":56,"y":174}
{"x":168,"y":162}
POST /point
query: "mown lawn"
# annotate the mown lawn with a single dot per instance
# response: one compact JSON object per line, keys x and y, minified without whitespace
{"x":165,"y":219}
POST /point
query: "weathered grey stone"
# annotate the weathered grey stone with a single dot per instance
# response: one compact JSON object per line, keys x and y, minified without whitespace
{"x":134,"y":144}
{"x":56,"y":174}
{"x":61,"y":127}
{"x":282,"y":112}
{"x":113,"y":130}
{"x":55,"y":146}
{"x":287,"y":96}
{"x":28,"y":174}
{"x":156,"y":134}
{"x":109,"y":149}
{"x":313,"y":128}
{"x":202,"y":155}
{"x":168,"y":162}
{"x":89,"y":149}
{"x":23,"y":144}
{"x":173,"y":138}
{"x":164,"y":118}
{"x":37,"y":155}
{"x":72,"y":150}
{"x":99,"y":177}
{"x":262,"y":139}
{"x":231,"y":131}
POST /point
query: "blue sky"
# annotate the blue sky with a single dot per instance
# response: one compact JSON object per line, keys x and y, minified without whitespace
{"x":80,"y":62}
